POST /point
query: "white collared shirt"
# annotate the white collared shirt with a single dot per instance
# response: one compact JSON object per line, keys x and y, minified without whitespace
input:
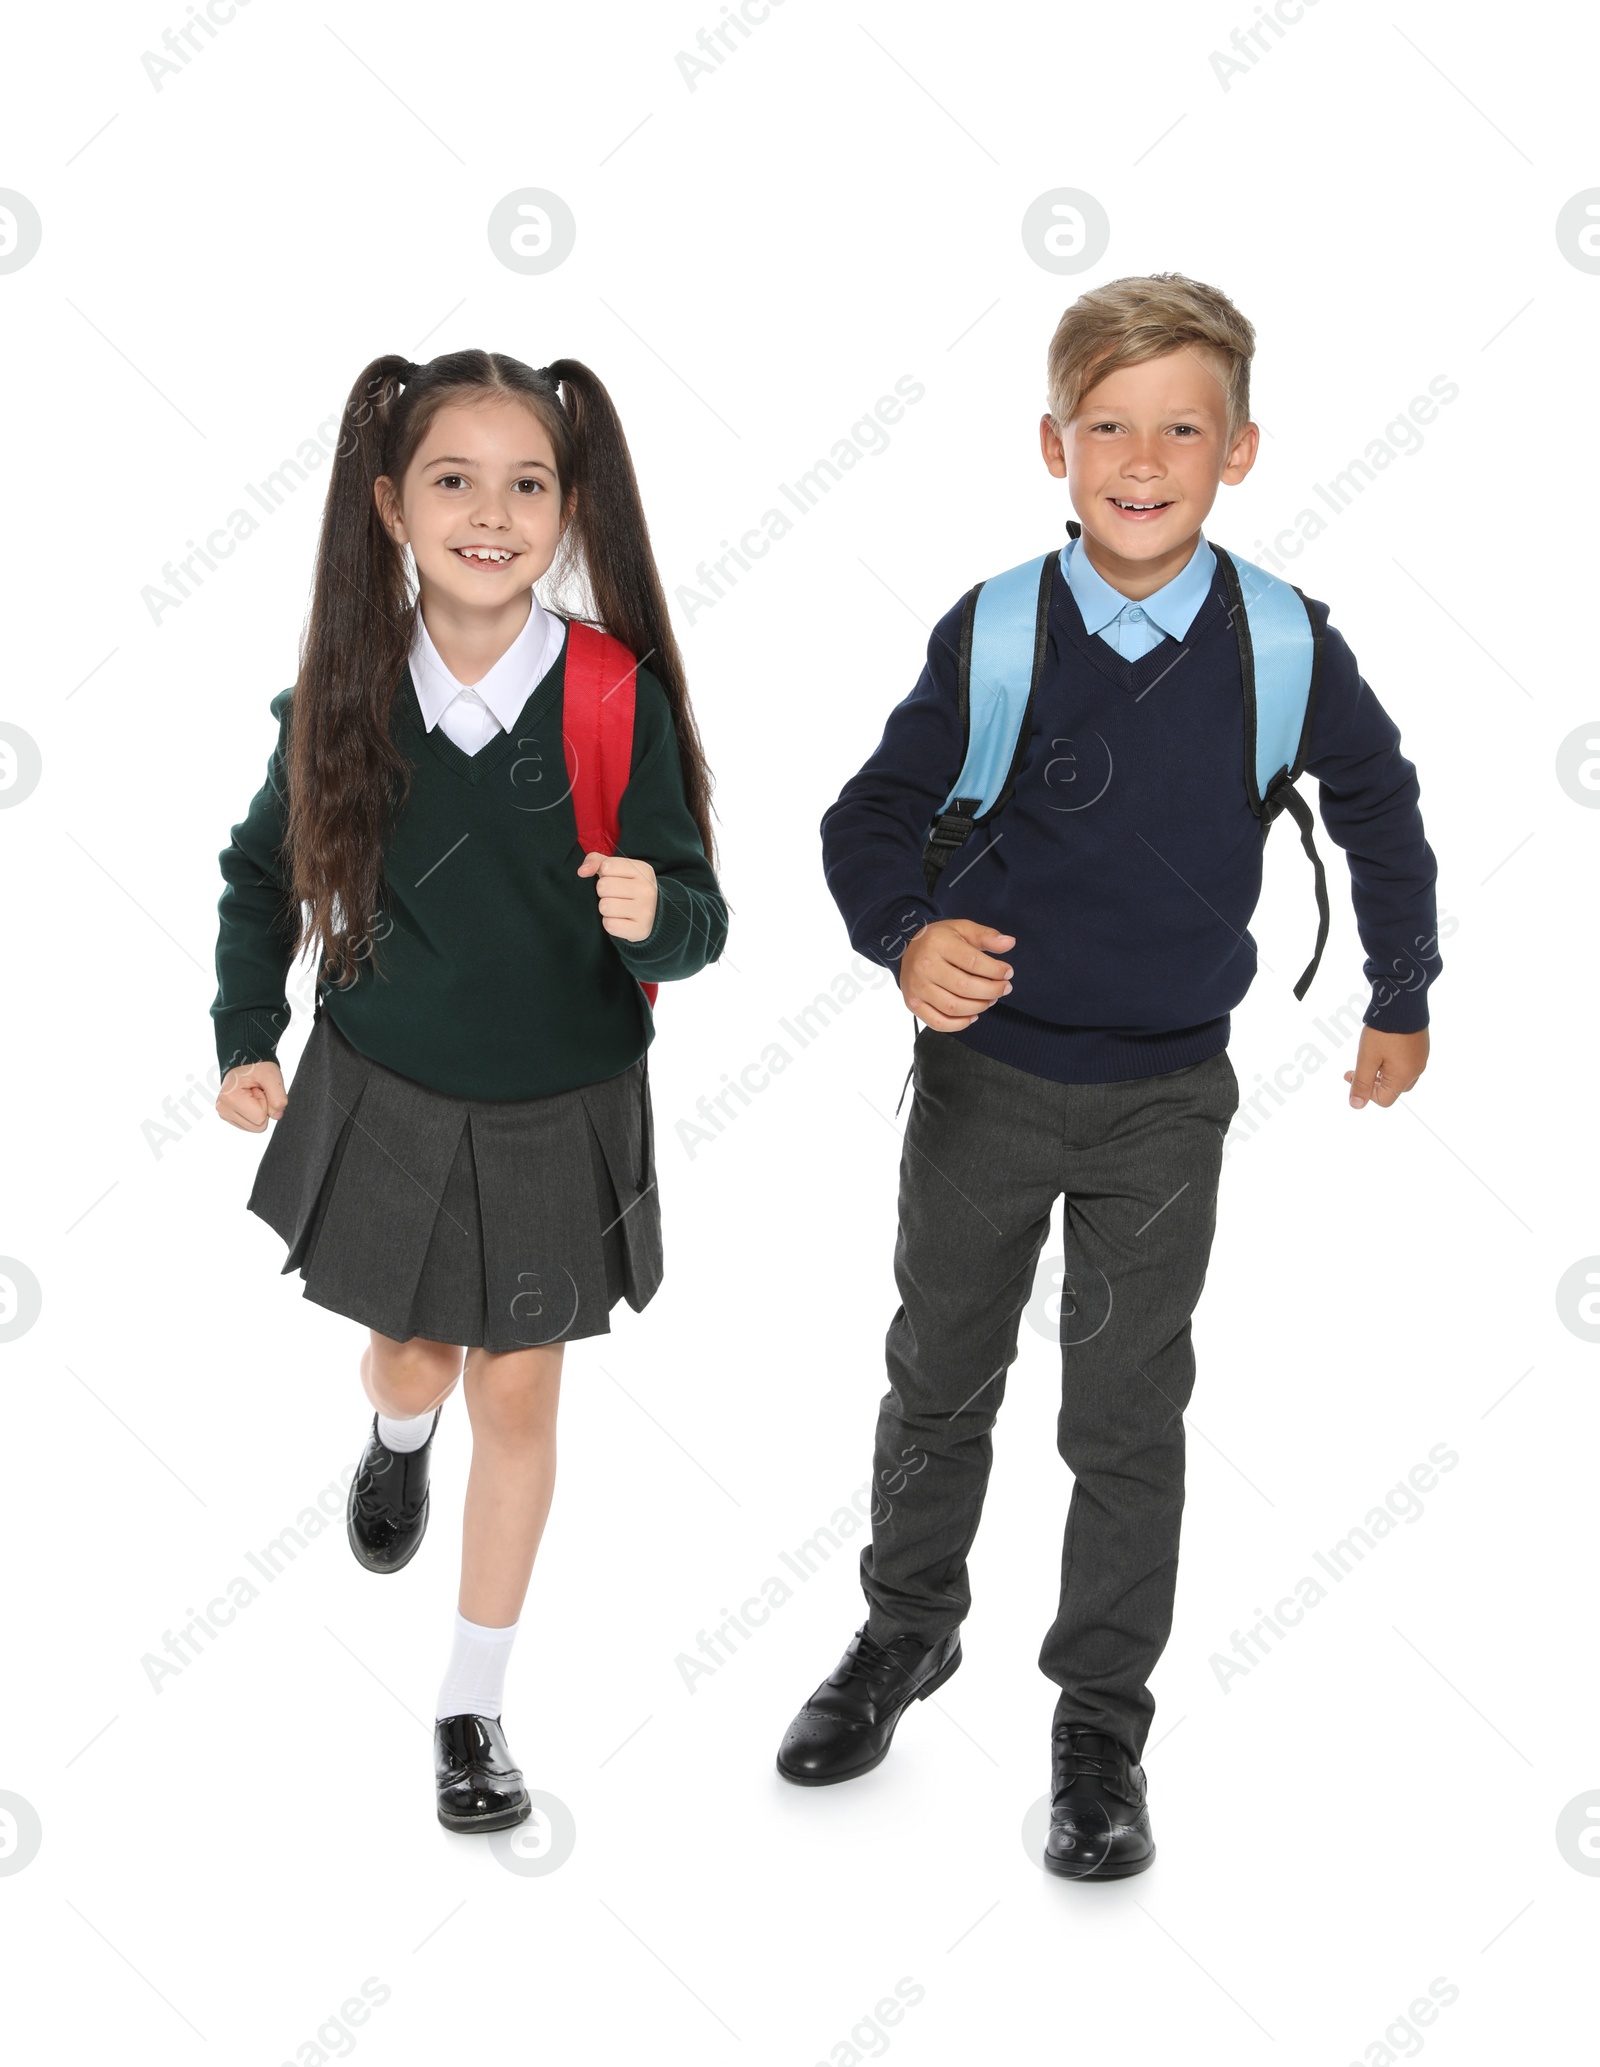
{"x":472,"y":717}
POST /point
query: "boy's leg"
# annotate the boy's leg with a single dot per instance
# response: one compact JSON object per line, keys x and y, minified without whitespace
{"x":1144,"y":1159}
{"x":978,"y":1175}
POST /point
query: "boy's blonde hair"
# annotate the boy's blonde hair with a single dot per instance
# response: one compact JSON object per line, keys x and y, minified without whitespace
{"x":1143,"y":317}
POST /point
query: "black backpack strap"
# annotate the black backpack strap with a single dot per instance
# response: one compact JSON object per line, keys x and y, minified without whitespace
{"x":1283,"y":796}
{"x":951,"y":830}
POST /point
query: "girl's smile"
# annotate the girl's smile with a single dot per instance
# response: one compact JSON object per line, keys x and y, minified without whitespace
{"x":491,"y":558}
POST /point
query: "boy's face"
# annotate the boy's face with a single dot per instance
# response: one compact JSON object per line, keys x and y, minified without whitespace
{"x":1143,"y":459}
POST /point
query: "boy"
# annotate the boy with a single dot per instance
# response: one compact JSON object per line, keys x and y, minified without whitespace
{"x":1092,"y":1061}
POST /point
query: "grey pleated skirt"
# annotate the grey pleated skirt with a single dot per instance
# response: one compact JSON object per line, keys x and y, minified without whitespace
{"x":500,"y":1225}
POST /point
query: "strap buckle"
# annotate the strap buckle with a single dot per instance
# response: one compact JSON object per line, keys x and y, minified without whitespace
{"x":952,"y":827}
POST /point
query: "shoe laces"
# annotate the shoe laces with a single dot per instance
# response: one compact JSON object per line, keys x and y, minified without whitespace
{"x":1074,"y":1762}
{"x":374,"y":1499}
{"x":868,"y":1660}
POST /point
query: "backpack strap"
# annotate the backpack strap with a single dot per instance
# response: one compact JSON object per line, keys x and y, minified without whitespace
{"x":1002,"y":645}
{"x":597,"y":736}
{"x":1280,"y":664}
{"x":999,"y":656}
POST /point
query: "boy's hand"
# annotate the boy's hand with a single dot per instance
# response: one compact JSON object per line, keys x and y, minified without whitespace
{"x":947,"y":979}
{"x":627,"y":894}
{"x":1386,"y":1065}
{"x":251,"y":1094}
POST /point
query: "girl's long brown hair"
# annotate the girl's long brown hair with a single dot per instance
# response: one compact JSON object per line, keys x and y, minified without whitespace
{"x":346,"y":776}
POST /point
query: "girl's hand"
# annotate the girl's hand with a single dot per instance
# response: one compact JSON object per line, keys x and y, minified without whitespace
{"x":252,"y":1094}
{"x":627,"y":894}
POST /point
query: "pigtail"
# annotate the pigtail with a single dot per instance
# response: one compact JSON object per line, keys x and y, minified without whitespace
{"x":343,"y":765}
{"x":347,"y":778}
{"x":614,"y":541}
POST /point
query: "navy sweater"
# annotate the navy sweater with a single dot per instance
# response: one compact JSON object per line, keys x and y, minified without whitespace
{"x":1128,"y":861}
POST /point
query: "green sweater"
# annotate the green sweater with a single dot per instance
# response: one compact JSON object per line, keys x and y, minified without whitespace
{"x":495,"y":977}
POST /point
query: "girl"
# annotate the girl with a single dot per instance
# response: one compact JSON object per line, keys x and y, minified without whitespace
{"x":466,"y":1165}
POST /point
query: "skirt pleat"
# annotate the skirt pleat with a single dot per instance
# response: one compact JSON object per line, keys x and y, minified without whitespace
{"x":505,"y":1225}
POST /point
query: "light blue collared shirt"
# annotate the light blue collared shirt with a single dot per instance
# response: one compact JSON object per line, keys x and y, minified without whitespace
{"x":1133,"y":629}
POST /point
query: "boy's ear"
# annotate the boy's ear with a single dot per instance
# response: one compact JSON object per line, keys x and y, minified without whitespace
{"x":1242,"y":456}
{"x":1052,"y":446}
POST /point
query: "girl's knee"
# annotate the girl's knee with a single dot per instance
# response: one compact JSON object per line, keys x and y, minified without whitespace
{"x":513,"y":1396}
{"x":412,"y":1377}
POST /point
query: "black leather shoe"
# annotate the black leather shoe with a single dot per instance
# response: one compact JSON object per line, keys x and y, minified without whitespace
{"x":479,"y":1787}
{"x":387,"y":1511}
{"x":848,"y":1724}
{"x":1099,"y":1822}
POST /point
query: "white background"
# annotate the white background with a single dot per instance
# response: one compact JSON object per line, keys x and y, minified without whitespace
{"x":759,"y":257}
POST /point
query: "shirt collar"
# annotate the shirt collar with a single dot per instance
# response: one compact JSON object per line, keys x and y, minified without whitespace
{"x":1172,"y":608}
{"x":508,"y":684}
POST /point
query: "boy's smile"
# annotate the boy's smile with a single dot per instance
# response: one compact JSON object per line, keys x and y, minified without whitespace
{"x":1143,"y":459}
{"x":1139,"y":512}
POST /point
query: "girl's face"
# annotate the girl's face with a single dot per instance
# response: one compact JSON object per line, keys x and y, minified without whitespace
{"x":480,"y":505}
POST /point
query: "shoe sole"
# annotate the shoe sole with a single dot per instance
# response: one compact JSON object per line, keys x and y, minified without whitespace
{"x":931,"y":1686}
{"x":501,"y":1819}
{"x":360,"y":1556}
{"x":1122,"y":1872}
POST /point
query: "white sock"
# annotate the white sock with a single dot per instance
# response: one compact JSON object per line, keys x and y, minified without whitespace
{"x":401,"y":1436}
{"x":474,"y":1680}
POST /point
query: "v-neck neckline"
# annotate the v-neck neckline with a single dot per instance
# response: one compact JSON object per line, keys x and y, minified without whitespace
{"x":1130,"y":675}
{"x":472,"y":768}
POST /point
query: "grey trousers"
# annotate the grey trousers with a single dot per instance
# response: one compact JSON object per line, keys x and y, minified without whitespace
{"x":987,"y":1150}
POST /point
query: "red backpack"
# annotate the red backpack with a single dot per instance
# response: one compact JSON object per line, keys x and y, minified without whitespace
{"x":597,"y":736}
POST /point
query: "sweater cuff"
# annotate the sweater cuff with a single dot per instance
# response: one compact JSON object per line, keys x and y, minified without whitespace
{"x":250,"y":1034}
{"x":1397,"y":1011}
{"x":884,"y":934}
{"x":669,"y":935}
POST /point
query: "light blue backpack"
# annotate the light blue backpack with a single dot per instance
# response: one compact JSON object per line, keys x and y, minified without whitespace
{"x":1001,"y":651}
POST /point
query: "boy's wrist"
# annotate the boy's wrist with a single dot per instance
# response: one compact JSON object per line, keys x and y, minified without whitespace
{"x":1397,"y":1011}
{"x":887,"y":932}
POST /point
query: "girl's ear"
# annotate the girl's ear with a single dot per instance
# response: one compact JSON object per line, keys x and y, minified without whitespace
{"x":383,"y":494}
